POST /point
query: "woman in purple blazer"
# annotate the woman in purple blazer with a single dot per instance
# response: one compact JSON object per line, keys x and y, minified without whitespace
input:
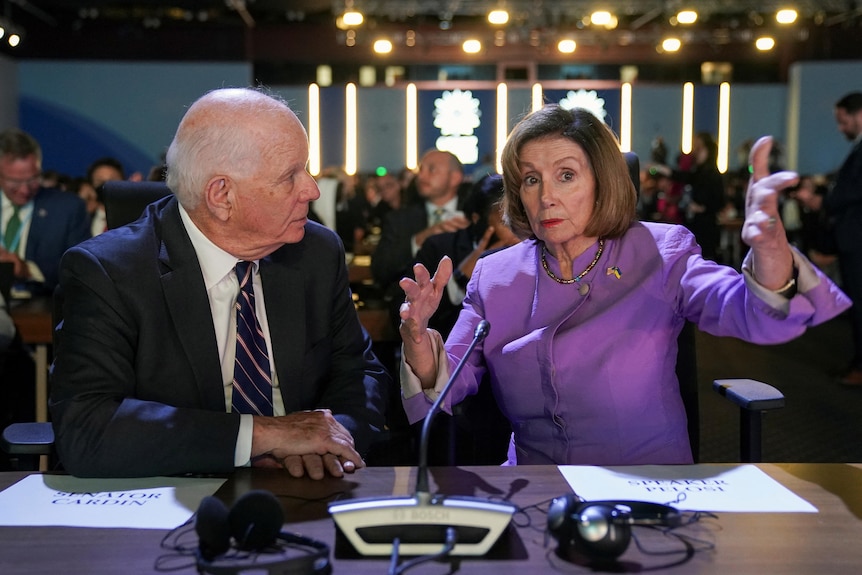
{"x":586,"y":310}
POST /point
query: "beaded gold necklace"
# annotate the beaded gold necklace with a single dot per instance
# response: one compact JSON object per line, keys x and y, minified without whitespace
{"x":578,"y":277}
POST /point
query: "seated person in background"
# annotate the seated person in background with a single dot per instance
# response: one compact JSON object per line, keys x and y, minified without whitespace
{"x":439,"y":183}
{"x":95,"y":207}
{"x":486,"y":232}
{"x":585,"y":312}
{"x":817,"y":241}
{"x":105,"y":170}
{"x":169,"y":362}
{"x":37,"y":224}
{"x":101,"y":171}
{"x":390,"y":198}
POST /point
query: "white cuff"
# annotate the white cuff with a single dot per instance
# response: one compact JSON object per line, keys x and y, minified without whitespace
{"x":410,"y":384}
{"x":242,"y":452}
{"x":807,"y":280}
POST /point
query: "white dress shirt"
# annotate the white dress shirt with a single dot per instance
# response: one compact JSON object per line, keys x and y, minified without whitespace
{"x":449,"y":210}
{"x":218,"y":268}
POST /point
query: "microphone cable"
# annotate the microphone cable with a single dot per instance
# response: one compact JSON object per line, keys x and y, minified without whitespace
{"x":449,"y":545}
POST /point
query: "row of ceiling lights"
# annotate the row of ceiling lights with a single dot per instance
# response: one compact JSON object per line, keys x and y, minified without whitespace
{"x":352,"y":19}
{"x":8,"y":34}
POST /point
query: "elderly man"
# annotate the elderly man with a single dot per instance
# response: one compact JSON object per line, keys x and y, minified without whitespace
{"x":218,"y":331}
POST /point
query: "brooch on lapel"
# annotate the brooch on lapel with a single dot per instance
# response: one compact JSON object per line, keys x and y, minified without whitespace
{"x":614,"y":271}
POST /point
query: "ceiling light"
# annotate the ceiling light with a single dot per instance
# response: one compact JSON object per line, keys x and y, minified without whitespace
{"x":686,"y":17}
{"x":472,"y":46}
{"x":786,"y":16}
{"x":382,"y":46}
{"x":671,"y":44}
{"x":352,"y":18}
{"x":600,"y":18}
{"x":764,"y":43}
{"x":14,"y":39}
{"x":566,"y":46}
{"x":498,"y":17}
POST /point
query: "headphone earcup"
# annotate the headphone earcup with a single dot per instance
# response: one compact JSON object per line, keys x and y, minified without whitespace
{"x":211,"y":525}
{"x":255,"y":520}
{"x":593,"y":530}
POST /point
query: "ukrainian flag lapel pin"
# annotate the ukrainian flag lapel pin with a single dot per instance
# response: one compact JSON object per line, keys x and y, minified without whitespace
{"x":614,"y":271}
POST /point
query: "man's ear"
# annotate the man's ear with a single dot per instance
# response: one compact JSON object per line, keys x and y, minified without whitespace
{"x":218,"y":196}
{"x":455,"y":178}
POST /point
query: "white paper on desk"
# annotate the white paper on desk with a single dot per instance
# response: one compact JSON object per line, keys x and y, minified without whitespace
{"x":140,"y":503}
{"x":742,"y":488}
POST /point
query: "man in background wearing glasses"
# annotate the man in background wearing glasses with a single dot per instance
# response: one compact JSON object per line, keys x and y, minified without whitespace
{"x":37,"y":224}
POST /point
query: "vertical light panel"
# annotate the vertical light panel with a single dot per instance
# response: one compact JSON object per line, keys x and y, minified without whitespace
{"x":626,"y":117}
{"x":538,"y":97}
{"x":723,"y":126}
{"x":687,"y":117}
{"x":502,"y":123}
{"x":314,"y":129}
{"x":411,"y":153}
{"x":350,"y":129}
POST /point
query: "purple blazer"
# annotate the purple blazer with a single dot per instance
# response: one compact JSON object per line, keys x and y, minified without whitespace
{"x":585,"y":372}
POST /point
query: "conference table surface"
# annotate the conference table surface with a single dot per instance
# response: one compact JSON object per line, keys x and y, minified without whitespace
{"x":829,"y":541}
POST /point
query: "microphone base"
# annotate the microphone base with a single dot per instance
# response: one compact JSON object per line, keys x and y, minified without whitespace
{"x":420,"y":523}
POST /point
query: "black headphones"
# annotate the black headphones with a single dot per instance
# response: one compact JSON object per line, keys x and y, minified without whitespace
{"x":253,"y":525}
{"x":601,"y":530}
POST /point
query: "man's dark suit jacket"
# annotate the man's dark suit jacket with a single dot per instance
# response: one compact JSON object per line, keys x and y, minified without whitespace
{"x":844,"y":203}
{"x":137,"y":383}
{"x":59,"y":222}
{"x":393,"y":255}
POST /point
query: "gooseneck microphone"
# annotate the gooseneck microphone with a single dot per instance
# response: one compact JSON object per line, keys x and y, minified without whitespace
{"x":421,"y":521}
{"x":479,"y":334}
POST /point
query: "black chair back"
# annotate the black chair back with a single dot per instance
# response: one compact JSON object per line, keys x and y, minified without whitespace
{"x":125,"y":201}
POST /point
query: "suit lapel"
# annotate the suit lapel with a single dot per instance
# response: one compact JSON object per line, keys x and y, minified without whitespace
{"x":285,"y":310}
{"x":183,"y":285}
{"x":38,"y":229}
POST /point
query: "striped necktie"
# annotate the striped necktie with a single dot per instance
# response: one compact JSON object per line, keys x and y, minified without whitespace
{"x":437,"y":216}
{"x":252,"y":379}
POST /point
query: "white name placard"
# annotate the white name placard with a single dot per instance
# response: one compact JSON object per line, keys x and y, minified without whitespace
{"x":742,"y":488}
{"x":140,"y":503}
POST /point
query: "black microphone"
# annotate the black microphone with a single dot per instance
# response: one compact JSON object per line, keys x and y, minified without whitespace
{"x":420,"y":522}
{"x":479,"y":334}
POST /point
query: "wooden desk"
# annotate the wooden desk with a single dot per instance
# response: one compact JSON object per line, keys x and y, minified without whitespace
{"x":33,"y":319}
{"x":745,"y":543}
